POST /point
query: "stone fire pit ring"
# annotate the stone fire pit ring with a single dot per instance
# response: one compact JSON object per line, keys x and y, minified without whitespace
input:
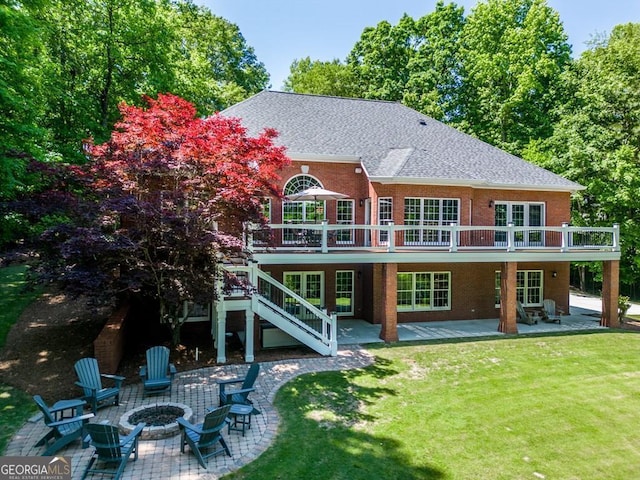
{"x":154,"y":432}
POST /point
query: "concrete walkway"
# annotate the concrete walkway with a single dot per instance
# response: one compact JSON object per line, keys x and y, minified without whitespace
{"x":161,"y":459}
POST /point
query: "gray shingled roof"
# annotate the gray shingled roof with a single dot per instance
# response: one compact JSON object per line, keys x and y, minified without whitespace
{"x":394,"y":142}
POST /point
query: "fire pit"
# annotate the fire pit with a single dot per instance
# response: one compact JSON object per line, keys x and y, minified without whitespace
{"x":161,"y":419}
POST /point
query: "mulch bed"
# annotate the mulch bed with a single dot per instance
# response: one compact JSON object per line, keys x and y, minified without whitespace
{"x":55,"y":331}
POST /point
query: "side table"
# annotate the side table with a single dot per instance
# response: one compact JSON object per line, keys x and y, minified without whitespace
{"x":240,"y":417}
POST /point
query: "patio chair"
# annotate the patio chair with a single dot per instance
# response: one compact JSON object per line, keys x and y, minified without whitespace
{"x":239,"y":396}
{"x":62,"y":430}
{"x":90,"y":380}
{"x":549,"y":312}
{"x":157,"y":375}
{"x":205,"y":435}
{"x":111,"y":452}
{"x":524,"y":316}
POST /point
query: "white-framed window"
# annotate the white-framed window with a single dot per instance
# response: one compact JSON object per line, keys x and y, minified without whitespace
{"x":520,"y":214}
{"x":300,"y":211}
{"x":385,"y":216}
{"x":344,"y":292}
{"x":309,"y":285}
{"x":424,"y":291}
{"x":529,"y":287}
{"x":344,"y":216}
{"x":430,"y":212}
{"x":266,"y":209}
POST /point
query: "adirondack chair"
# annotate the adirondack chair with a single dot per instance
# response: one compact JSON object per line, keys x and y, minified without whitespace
{"x":157,"y":375}
{"x":62,"y":431}
{"x":550,"y":314}
{"x":205,"y":435}
{"x":111,"y":451}
{"x":241,"y":396}
{"x":524,"y":316}
{"x":90,"y":380}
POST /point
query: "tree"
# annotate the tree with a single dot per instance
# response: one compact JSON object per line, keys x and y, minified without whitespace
{"x":21,"y":54}
{"x":433,"y":87}
{"x":321,"y":78}
{"x":158,"y":188}
{"x":513,"y":54}
{"x":381,"y":57}
{"x":596,"y":142}
{"x":213,"y":65}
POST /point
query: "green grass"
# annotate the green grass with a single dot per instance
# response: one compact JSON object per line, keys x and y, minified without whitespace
{"x":15,"y":406}
{"x":554,"y":407}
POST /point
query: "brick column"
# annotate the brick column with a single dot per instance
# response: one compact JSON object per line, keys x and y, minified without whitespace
{"x":389,"y":297}
{"x":508,"y":298}
{"x":610,"y":292}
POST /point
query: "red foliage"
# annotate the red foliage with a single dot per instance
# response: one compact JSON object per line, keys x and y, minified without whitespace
{"x":210,"y":160}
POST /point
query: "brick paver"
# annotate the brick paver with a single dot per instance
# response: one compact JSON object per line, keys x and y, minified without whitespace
{"x":161,"y":459}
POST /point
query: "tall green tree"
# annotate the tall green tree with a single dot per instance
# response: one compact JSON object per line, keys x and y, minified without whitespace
{"x":513,"y":54}
{"x":21,"y":55}
{"x":321,"y":78}
{"x":596,"y":142}
{"x":381,"y":57}
{"x":433,"y":85}
{"x":213,"y":65}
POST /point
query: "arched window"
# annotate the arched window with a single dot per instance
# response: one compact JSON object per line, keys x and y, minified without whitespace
{"x":302,"y":211}
{"x":300,"y":183}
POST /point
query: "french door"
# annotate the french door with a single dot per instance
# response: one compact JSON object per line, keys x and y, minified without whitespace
{"x":520,"y":215}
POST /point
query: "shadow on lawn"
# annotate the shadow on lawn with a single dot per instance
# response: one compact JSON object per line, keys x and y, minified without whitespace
{"x":326,"y":431}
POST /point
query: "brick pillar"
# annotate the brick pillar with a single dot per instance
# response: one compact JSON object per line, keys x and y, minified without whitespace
{"x":377,"y":302}
{"x":610,"y":292}
{"x":508,"y":298}
{"x":389,"y":296}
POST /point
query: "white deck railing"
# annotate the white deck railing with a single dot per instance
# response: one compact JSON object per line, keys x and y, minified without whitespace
{"x":324,"y":237}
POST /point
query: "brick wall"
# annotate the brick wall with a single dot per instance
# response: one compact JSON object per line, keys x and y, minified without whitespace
{"x":108,"y":347}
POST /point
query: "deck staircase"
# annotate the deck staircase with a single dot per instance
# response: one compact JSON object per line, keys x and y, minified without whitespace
{"x":283,"y":308}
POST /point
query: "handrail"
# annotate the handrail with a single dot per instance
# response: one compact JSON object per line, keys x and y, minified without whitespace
{"x":292,"y":312}
{"x":391,"y":237}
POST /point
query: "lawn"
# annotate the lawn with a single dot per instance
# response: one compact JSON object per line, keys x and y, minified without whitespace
{"x":546,"y":407}
{"x":15,"y":406}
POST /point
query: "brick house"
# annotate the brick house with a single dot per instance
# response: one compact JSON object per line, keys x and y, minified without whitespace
{"x":432,"y":224}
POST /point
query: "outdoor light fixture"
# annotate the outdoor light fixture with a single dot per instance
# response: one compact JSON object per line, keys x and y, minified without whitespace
{"x":361,"y":202}
{"x":490,"y":203}
{"x":554,"y":274}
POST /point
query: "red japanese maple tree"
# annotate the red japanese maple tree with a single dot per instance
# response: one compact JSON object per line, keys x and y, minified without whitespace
{"x":173,"y":192}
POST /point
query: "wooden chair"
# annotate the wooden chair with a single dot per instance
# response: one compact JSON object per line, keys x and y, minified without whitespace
{"x":524,"y":316}
{"x":549,"y":312}
{"x":111,"y":452}
{"x":90,"y":380}
{"x":157,"y":375}
{"x":62,"y":431}
{"x":206,"y":435}
{"x":239,"y":396}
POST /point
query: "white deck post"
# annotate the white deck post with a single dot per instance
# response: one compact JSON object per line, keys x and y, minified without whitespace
{"x":324,"y":247}
{"x":565,"y":237}
{"x":453,"y":237}
{"x":248,"y":335}
{"x":511,"y":238}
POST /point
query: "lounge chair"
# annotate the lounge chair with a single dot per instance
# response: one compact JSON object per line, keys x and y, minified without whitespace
{"x":62,"y":430}
{"x":241,"y":395}
{"x":111,"y":452}
{"x":157,"y":375}
{"x":549,"y":312}
{"x":90,"y":380}
{"x":524,"y":316}
{"x":205,"y":435}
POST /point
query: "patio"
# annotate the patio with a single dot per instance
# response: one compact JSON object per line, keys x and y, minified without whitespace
{"x":198,"y":390}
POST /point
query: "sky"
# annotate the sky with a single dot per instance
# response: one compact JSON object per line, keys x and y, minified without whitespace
{"x":281,"y":31}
